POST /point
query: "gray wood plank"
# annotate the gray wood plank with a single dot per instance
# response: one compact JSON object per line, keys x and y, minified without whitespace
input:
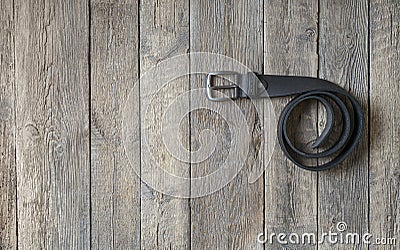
{"x":115,"y":188}
{"x":232,"y":217}
{"x":8,"y":179}
{"x":385,"y":114}
{"x":164,"y":33}
{"x":343,"y":191}
{"x":52,"y":150}
{"x":290,"y":48}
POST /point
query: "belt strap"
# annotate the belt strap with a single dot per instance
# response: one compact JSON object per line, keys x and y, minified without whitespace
{"x":306,"y":88}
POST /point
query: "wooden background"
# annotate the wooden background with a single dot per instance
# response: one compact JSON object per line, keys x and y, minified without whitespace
{"x":66,"y":68}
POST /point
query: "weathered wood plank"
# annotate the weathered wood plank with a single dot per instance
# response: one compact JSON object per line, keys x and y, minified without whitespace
{"x":232,"y":217}
{"x":343,"y":50}
{"x":385,"y":115}
{"x":8,"y":179}
{"x":115,"y":189}
{"x":52,"y":149}
{"x":290,"y":47}
{"x":164,"y":32}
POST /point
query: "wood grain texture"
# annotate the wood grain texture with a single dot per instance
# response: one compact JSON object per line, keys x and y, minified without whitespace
{"x":343,"y":50}
{"x":115,"y":188}
{"x":164,"y":33}
{"x":52,"y":150}
{"x":67,"y":67}
{"x":290,"y":47}
{"x":8,"y":179}
{"x":232,"y":217}
{"x":385,"y":115}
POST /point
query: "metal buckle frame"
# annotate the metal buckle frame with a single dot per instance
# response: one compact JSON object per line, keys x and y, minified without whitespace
{"x":211,"y":88}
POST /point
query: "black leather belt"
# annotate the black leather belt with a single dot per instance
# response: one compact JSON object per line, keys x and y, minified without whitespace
{"x":306,"y":88}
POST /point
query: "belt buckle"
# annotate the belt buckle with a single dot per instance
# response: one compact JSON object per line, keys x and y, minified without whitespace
{"x":211,"y":88}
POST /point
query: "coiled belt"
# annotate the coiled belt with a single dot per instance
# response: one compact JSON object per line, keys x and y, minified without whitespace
{"x":253,"y":85}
